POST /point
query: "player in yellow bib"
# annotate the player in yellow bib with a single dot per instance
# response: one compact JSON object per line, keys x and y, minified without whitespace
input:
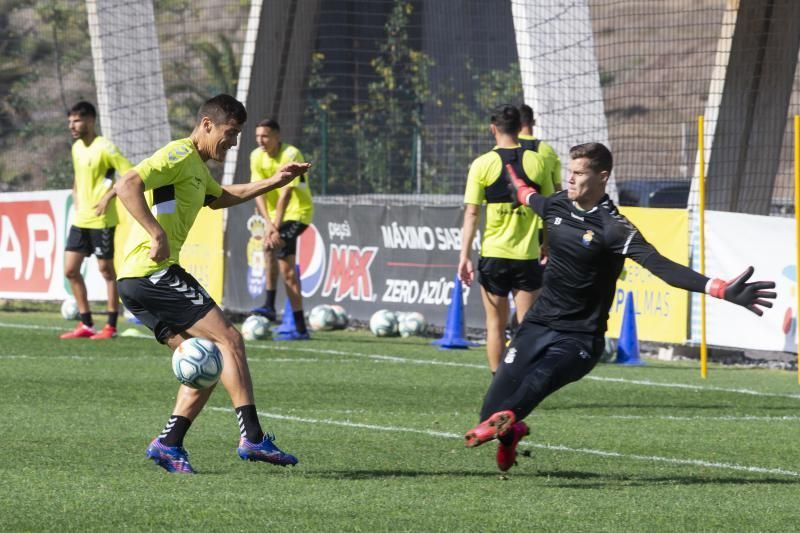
{"x":509,"y":243}
{"x":287,"y":213}
{"x":163,"y":194}
{"x":552,"y":163}
{"x":96,"y":162}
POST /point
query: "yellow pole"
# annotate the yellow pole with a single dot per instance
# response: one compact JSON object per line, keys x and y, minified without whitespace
{"x":797,"y":229}
{"x":702,"y":213}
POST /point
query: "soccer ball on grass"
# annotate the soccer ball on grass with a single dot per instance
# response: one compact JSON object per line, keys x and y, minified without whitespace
{"x":383,"y":323}
{"x":322,"y":318}
{"x":342,"y":319}
{"x":197,"y":363}
{"x":69,"y":309}
{"x":411,"y":324}
{"x":255,"y":327}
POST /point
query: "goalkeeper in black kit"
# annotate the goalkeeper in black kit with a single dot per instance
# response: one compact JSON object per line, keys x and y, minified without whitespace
{"x":561,"y":337}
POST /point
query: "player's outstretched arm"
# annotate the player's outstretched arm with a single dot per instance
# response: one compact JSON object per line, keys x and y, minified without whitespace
{"x":752,"y":296}
{"x":241,"y":192}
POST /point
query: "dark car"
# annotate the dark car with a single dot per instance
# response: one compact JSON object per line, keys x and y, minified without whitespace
{"x":654,"y":193}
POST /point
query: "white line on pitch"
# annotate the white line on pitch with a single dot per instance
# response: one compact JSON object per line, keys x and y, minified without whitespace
{"x":551,"y":447}
{"x":732,"y":418}
{"x":405,"y":360}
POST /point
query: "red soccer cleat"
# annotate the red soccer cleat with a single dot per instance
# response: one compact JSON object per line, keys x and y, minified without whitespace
{"x":80,"y":331}
{"x":108,"y":332}
{"x":507,"y":453}
{"x":490,"y":428}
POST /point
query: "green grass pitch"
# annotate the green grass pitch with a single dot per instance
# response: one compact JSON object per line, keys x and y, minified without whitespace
{"x":377,"y":425}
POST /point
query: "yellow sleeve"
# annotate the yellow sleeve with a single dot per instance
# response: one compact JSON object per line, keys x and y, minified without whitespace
{"x":533,"y":163}
{"x":475,"y":192}
{"x":255,"y":171}
{"x":163,"y":167}
{"x":554,"y":163}
{"x":212,"y":188}
{"x":116,"y":160}
{"x":292,"y":155}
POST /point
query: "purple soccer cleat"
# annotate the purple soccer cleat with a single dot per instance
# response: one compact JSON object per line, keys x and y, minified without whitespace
{"x":173,"y":459}
{"x":265,"y":451}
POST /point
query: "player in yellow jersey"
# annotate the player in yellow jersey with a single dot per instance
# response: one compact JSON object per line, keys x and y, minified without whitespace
{"x":163,"y":194}
{"x":96,"y":161}
{"x":528,"y":141}
{"x":510,"y":244}
{"x":287,"y":212}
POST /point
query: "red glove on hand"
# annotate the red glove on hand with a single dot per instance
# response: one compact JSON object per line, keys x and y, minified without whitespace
{"x":738,"y":291}
{"x":518,"y":188}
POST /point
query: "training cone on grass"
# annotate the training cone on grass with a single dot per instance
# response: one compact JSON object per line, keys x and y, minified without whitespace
{"x":288,"y":325}
{"x":453,"y":338}
{"x":628,"y":344}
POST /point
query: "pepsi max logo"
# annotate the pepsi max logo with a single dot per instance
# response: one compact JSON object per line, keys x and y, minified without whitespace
{"x":311,"y":259}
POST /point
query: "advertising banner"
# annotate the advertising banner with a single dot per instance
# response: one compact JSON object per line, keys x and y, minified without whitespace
{"x":363,"y":257}
{"x":735,"y":241}
{"x":33,"y":232}
{"x":661,"y":310}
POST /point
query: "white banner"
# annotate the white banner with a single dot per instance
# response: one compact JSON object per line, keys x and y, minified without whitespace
{"x":33,"y":233}
{"x":733,"y":242}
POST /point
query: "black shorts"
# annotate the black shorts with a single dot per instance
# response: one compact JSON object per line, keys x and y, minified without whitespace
{"x":168,"y":302}
{"x":499,"y":275}
{"x":289,"y":232}
{"x":88,"y":241}
{"x":537,"y":362}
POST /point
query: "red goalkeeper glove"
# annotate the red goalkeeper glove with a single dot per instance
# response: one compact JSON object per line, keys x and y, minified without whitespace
{"x":738,"y":291}
{"x":520,"y":190}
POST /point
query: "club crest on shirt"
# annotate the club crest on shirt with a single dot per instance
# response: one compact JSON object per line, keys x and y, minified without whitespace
{"x":587,"y":237}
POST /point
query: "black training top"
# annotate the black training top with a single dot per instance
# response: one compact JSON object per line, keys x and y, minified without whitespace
{"x":587,"y":250}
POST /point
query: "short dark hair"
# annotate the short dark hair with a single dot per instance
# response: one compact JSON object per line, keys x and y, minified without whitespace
{"x":599,"y":156}
{"x":270,"y":123}
{"x":221,"y":109}
{"x":506,"y":119}
{"x":83,"y":109}
{"x":526,"y":115}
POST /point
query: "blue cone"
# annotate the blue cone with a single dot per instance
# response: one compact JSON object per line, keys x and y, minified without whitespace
{"x":288,"y":325}
{"x":628,"y":344}
{"x":453,"y":338}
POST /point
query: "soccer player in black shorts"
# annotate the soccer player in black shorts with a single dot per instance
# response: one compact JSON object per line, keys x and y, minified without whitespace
{"x":561,"y":337}
{"x":163,"y":194}
{"x":96,"y":161}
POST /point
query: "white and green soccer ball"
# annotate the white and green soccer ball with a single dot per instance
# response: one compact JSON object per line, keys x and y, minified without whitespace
{"x":411,"y":324}
{"x":383,"y":323}
{"x":342,"y":318}
{"x":255,"y":328}
{"x":69,"y":309}
{"x":197,"y":363}
{"x":322,"y":318}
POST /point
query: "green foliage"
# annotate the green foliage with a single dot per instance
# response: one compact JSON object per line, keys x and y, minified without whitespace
{"x":186,"y":93}
{"x":374,"y":152}
{"x":386,"y":124}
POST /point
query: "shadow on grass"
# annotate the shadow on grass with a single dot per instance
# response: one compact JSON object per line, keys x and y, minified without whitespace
{"x":397,"y":473}
{"x":564,"y":478}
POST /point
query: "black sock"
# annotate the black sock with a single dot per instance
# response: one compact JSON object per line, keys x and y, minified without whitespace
{"x":299,"y":321}
{"x":270,"y":299}
{"x":249,"y":426}
{"x":86,"y":318}
{"x":112,"y":319}
{"x":174,"y":431}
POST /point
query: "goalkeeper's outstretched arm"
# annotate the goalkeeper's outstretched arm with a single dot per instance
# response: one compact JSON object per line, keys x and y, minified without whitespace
{"x":753,"y":296}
